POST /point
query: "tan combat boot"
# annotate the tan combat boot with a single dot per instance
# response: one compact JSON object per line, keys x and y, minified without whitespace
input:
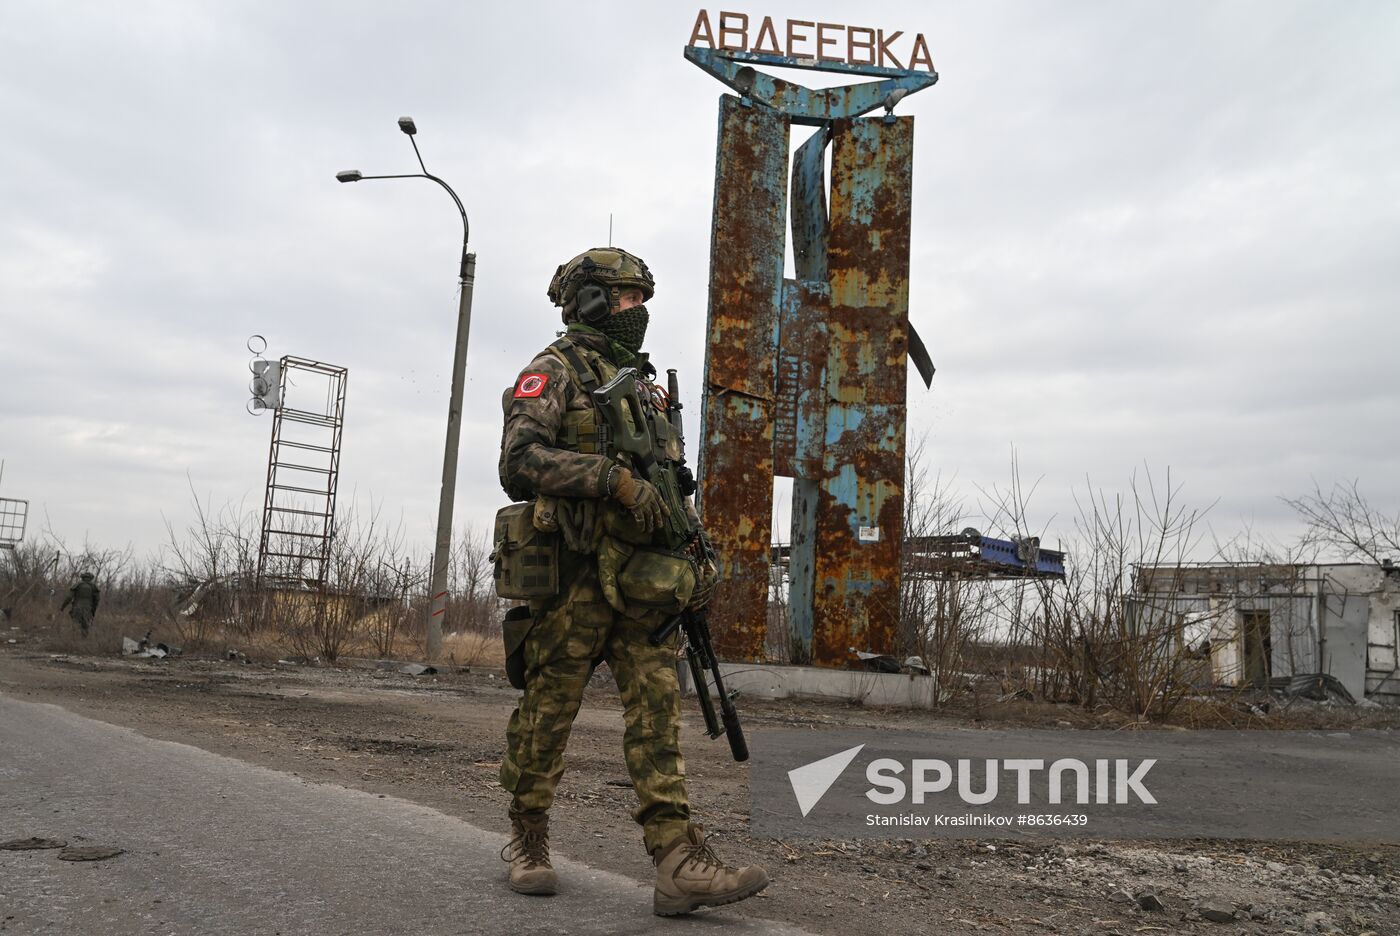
{"x":528,"y":854}
{"x":689,"y":876}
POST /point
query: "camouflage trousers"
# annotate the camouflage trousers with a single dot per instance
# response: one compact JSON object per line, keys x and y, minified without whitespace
{"x":82,"y":616}
{"x":568,"y":636}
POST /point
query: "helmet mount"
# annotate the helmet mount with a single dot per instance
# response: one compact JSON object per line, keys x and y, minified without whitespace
{"x":589,"y":286}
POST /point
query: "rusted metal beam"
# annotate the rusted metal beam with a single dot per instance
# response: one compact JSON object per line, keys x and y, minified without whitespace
{"x":800,"y":414}
{"x":812,"y":106}
{"x":799,"y":439}
{"x":802,"y":344}
{"x":746,"y":289}
{"x":809,"y":224}
{"x":859,"y":510}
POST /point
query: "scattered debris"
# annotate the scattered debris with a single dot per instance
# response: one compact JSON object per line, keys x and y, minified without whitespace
{"x":1316,"y":687}
{"x":31,"y":844}
{"x":1148,"y":900}
{"x":1318,"y":920}
{"x":877,"y":662}
{"x":1215,"y":914}
{"x":1017,"y":695}
{"x":417,"y":669}
{"x":144,"y":649}
{"x":89,"y":853}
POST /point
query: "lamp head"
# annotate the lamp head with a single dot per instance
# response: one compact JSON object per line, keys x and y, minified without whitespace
{"x":349,"y":175}
{"x":407,"y":125}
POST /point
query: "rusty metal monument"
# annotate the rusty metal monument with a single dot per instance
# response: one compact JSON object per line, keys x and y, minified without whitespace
{"x":806,"y":377}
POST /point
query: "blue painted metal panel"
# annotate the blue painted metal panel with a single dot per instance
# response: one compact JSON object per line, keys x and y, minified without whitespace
{"x":813,"y":106}
{"x":1005,"y":552}
{"x":802,"y":568}
{"x":799,"y":435}
{"x":800,"y":441}
{"x":809,"y":64}
{"x":860,"y":511}
{"x":809,"y":216}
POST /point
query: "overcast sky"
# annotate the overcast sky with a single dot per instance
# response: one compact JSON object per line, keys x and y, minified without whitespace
{"x":1161,"y":234}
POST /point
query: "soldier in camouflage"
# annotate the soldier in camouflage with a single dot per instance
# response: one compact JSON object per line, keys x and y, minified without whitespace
{"x":82,"y":600}
{"x":555,"y":453}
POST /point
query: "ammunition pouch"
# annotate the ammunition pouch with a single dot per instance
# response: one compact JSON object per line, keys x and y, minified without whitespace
{"x":636,"y":579}
{"x":658,"y":580}
{"x":526,"y":560}
{"x":582,"y":431}
{"x":514,"y":629}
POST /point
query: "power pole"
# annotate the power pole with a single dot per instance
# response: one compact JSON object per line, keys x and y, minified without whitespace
{"x":442,"y":550}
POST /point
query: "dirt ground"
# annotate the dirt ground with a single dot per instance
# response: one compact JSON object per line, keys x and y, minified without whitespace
{"x":437,"y":740}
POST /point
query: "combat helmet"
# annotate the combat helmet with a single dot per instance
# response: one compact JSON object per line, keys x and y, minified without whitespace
{"x":611,"y":268}
{"x":86,"y":576}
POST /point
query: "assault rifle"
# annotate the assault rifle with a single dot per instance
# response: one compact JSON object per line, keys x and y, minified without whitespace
{"x":621,"y":405}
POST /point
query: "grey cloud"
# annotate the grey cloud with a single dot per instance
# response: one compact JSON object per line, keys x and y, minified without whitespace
{"x":1142,"y":233}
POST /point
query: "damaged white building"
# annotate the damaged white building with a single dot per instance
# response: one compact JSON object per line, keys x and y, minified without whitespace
{"x":1257,"y":622}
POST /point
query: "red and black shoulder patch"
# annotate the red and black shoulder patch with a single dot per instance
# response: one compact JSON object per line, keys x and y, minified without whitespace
{"x":530,"y":385}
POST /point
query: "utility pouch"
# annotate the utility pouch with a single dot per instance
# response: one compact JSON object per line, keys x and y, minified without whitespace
{"x":613,"y":556}
{"x":656,"y":579}
{"x":526,"y":559}
{"x":514,"y":629}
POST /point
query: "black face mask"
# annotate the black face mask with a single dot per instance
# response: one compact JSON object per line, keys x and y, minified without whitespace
{"x":627,"y":328}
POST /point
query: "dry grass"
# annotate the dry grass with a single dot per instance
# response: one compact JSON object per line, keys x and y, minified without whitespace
{"x":58,"y":634}
{"x":474,"y":649}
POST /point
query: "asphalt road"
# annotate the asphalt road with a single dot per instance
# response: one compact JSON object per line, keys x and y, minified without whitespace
{"x":214,"y":845}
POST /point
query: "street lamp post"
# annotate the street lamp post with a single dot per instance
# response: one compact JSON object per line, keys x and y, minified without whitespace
{"x":467,"y":276}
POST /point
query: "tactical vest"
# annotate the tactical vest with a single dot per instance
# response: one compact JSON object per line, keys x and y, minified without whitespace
{"x":585,"y":430}
{"x":632,"y":573}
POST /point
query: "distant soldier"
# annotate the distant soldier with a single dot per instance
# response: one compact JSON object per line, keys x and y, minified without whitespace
{"x":82,"y":601}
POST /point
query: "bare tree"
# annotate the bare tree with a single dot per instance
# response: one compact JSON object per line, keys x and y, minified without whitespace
{"x":210,"y":570}
{"x":1112,"y":630}
{"x":27,"y":577}
{"x":472,"y":602}
{"x":1344,"y":521}
{"x":942,"y":614}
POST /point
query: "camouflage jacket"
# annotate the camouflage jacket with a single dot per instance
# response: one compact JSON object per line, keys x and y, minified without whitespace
{"x":542,"y":451}
{"x":533,"y":461}
{"x":83,"y":595}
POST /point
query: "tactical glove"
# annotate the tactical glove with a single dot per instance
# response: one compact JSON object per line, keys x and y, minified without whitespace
{"x":641,"y":498}
{"x":707,"y":580}
{"x":706,"y":572}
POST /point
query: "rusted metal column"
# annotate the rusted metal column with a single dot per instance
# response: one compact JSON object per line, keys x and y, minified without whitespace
{"x":802,"y":344}
{"x":746,"y":287}
{"x":860,"y":504}
{"x":798,"y":439}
